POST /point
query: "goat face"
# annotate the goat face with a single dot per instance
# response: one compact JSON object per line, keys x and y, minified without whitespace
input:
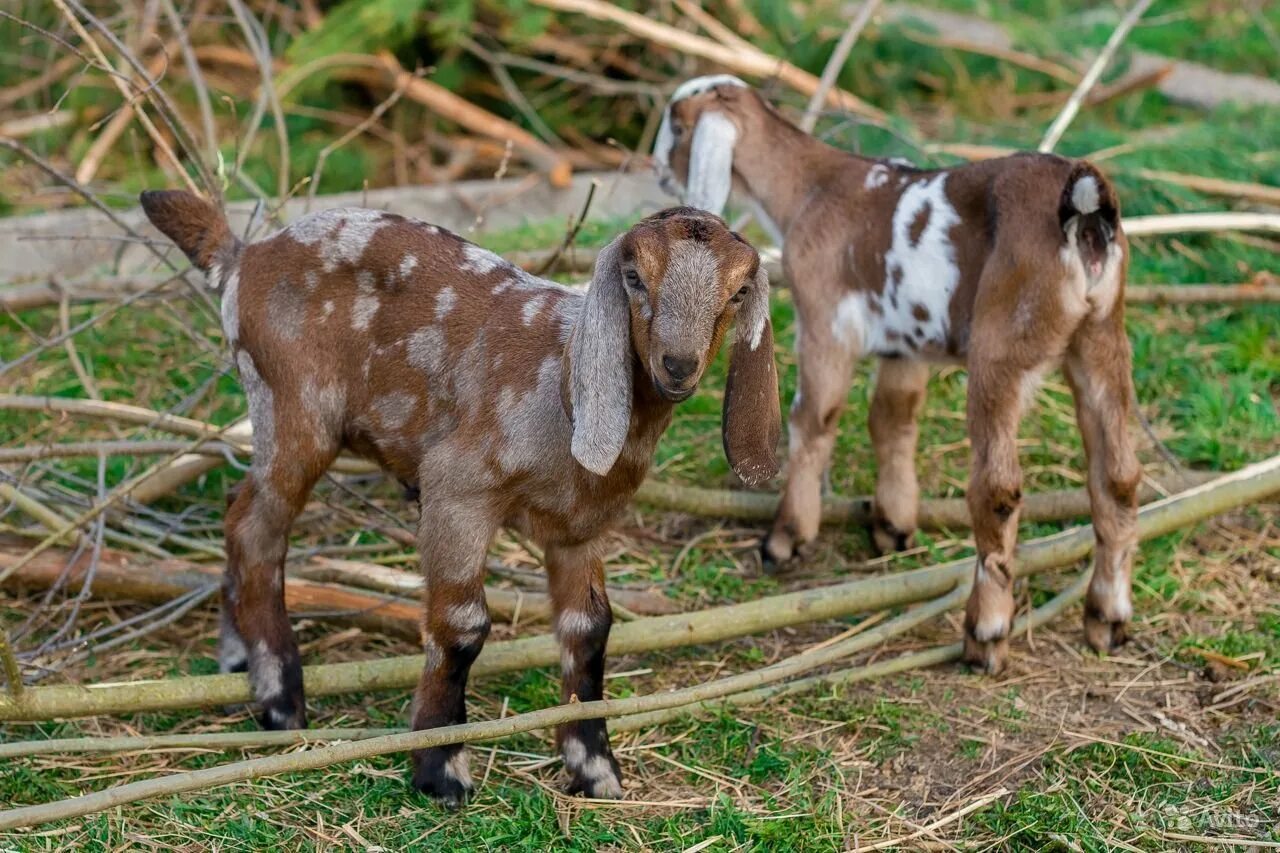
{"x":693,"y":152}
{"x":662,"y":299}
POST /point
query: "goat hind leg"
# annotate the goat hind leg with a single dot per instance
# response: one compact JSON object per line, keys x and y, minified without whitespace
{"x":895,"y":410}
{"x":1098,"y":369}
{"x":583,"y":619}
{"x":452,"y":542}
{"x":994,"y":498}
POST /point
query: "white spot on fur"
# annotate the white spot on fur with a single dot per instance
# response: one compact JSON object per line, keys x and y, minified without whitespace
{"x":266,"y":673}
{"x":310,"y":280}
{"x":445,"y":300}
{"x":407,"y":264}
{"x":593,"y":769}
{"x":342,"y":234}
{"x":426,"y":349}
{"x":468,"y":618}
{"x":328,"y":309}
{"x":232,"y":653}
{"x":1084,"y":195}
{"x":576,"y":623}
{"x":362,"y":311}
{"x":850,"y":325}
{"x":877,"y":177}
{"x":261,"y":410}
{"x":531,"y":307}
{"x":458,"y":767}
{"x":480,"y":261}
{"x":395,"y":409}
{"x":532,"y":421}
{"x":991,"y":626}
{"x":231,"y":308}
{"x":1110,"y":593}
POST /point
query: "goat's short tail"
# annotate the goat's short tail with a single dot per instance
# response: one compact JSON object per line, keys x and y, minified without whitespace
{"x":197,"y":227}
{"x":1088,"y":206}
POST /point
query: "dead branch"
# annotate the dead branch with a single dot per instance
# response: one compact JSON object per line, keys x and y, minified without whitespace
{"x":1244,"y":487}
{"x":753,"y":62}
{"x":1181,"y":223}
{"x":1260,"y":193}
{"x":1058,"y":72}
{"x":838,"y":56}
{"x":1060,"y":124}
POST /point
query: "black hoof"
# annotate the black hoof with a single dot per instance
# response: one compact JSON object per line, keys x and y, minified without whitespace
{"x":444,"y":777}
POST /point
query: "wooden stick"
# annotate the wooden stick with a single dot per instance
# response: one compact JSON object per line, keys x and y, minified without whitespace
{"x":753,"y":62}
{"x":935,"y":513}
{"x":1060,"y":124}
{"x":838,"y":57}
{"x":1181,"y":223}
{"x":1015,"y":57}
{"x":1246,"y":486}
{"x":1260,"y":193}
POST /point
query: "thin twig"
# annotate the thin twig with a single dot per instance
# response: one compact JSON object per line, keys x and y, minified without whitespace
{"x":1060,"y":124}
{"x":836,"y":63}
{"x":572,"y":233}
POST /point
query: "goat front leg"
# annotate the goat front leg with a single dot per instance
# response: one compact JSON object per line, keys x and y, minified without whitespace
{"x":995,"y":499}
{"x":895,"y":410}
{"x":825,"y":367}
{"x":1098,"y":368}
{"x":582,"y":620}
{"x":256,"y":634}
{"x":452,"y":539}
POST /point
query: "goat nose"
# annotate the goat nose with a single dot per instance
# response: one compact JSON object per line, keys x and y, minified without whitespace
{"x":679,"y":368}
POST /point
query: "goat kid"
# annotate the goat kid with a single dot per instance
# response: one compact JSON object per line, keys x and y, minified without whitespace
{"x":507,"y":400}
{"x":1010,"y":266}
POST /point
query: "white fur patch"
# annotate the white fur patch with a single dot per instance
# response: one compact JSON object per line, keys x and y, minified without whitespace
{"x":576,"y":623}
{"x":327,"y":310}
{"x":445,"y":300}
{"x":362,"y":311}
{"x":232,"y":653}
{"x":426,"y":349}
{"x":395,"y":409}
{"x":407,"y":264}
{"x":1084,"y":195}
{"x":458,"y":767}
{"x":231,"y":308}
{"x":1111,"y":593}
{"x":531,"y":308}
{"x":342,"y":234}
{"x":468,"y":618}
{"x":266,"y":673}
{"x":480,"y":261}
{"x":261,"y":410}
{"x":711,"y":162}
{"x":877,"y":177}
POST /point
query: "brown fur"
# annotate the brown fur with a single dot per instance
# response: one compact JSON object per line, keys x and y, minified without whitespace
{"x":1038,"y":283}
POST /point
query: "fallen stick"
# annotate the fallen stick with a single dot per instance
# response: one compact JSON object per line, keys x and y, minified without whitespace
{"x":1061,"y":73}
{"x":836,"y":62}
{"x":1248,"y":190}
{"x":1246,"y":486}
{"x":752,"y":62}
{"x":642,"y":707}
{"x":1195,"y":294}
{"x":935,"y":513}
{"x":1091,"y":77}
{"x":1181,"y":223}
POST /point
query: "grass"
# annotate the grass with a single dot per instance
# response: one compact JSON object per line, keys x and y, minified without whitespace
{"x":1135,"y":749}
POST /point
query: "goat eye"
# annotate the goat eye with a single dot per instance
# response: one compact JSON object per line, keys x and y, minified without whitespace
{"x":741,"y":294}
{"x":633,"y":282}
{"x":676,"y":130}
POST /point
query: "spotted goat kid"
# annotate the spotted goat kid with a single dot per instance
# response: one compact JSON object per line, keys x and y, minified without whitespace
{"x":1010,"y":266}
{"x":506,"y":399}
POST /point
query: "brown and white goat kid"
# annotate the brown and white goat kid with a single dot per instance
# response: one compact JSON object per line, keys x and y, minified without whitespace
{"x":1010,"y":266}
{"x":508,"y":401}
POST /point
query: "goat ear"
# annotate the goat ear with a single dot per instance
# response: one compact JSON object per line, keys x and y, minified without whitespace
{"x":711,"y":162}
{"x":600,"y":359}
{"x":752,"y":415}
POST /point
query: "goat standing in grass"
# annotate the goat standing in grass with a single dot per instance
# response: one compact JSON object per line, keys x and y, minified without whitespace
{"x":507,"y":400}
{"x":1009,"y":266}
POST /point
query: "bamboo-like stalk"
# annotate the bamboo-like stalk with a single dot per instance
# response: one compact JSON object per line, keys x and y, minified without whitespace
{"x":1248,"y":485}
{"x":636,"y":711}
{"x":935,"y":513}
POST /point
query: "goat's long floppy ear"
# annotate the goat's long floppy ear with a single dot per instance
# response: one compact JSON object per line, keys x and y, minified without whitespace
{"x":752,"y":415}
{"x":600,"y":358}
{"x":711,"y":162}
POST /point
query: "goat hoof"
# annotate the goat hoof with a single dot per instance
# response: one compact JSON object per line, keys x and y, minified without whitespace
{"x":599,"y":779}
{"x":443,"y":776}
{"x":886,"y":538}
{"x":986,"y":656}
{"x":277,"y":716}
{"x":1103,"y":635}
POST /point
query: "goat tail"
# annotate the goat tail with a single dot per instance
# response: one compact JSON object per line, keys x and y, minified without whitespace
{"x":197,"y":227}
{"x":1088,"y":206}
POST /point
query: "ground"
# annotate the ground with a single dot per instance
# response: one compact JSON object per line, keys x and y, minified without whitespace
{"x":1172,"y":742}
